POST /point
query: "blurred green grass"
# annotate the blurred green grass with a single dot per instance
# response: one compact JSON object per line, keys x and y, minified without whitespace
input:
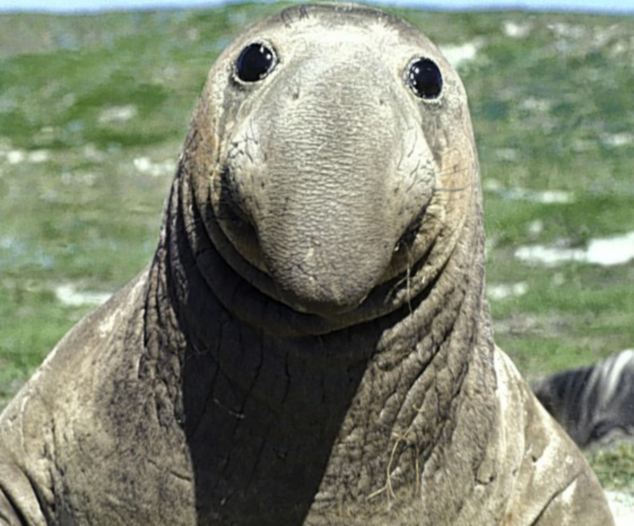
{"x":93,"y":110}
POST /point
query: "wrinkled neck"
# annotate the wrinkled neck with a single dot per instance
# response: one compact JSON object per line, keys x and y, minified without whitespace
{"x":195,"y":270}
{"x":345,"y":407}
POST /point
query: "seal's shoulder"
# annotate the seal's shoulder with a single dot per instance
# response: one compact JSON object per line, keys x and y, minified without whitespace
{"x":553,"y":482}
{"x":85,"y":347}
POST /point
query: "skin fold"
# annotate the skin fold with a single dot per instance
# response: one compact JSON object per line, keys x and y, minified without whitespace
{"x":310,"y":343}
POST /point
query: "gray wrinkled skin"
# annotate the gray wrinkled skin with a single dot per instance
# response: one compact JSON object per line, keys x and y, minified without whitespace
{"x":310,"y":344}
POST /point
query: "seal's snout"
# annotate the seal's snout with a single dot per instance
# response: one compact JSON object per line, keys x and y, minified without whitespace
{"x":323,"y":270}
{"x":319,"y":218}
{"x":326,"y":181}
{"x":312,"y":283}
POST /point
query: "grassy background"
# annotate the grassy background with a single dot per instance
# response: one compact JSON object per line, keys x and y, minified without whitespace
{"x":93,"y":110}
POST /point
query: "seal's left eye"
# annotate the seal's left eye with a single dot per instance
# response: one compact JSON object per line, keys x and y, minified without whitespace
{"x":255,"y":62}
{"x":424,"y":78}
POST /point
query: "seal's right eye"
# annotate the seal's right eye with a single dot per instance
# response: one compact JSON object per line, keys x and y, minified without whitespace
{"x":255,"y":62}
{"x":424,"y":78}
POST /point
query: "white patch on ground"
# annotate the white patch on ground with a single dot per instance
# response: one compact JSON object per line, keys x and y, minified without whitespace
{"x":118,"y":114}
{"x":68,"y":100}
{"x":558,"y":279}
{"x":463,"y":53}
{"x":583,"y":145}
{"x":606,"y":252}
{"x":68,"y":294}
{"x":506,"y":154}
{"x":531,"y":196}
{"x":616,"y":140}
{"x":38,"y":156}
{"x":622,"y":506}
{"x":20,"y":156}
{"x":193,"y":34}
{"x":507,"y":290}
{"x":15,"y":156}
{"x":619,"y":48}
{"x":46,"y":134}
{"x":73,"y":178}
{"x":546,"y":196}
{"x":535,"y":227}
{"x":601,"y":37}
{"x":492,"y":185}
{"x":514,"y":30}
{"x":92,"y":153}
{"x":568,"y":38}
{"x":536,"y":105}
{"x":564,"y":30}
{"x":155,"y":169}
{"x":166,"y":74}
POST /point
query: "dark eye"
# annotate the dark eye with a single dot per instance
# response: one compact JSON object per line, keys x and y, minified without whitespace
{"x":255,"y":62}
{"x":425,"y":79}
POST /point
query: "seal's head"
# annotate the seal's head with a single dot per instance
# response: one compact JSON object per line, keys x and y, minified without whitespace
{"x":328,"y":143}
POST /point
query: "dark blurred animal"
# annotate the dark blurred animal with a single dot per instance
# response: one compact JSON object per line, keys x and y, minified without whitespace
{"x":594,"y":404}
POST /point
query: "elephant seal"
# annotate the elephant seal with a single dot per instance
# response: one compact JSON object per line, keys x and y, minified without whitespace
{"x":310,"y":344}
{"x":594,"y":404}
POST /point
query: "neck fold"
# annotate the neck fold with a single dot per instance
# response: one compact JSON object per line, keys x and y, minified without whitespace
{"x":269,"y":394}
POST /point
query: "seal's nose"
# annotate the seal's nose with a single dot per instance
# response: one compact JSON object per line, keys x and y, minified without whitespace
{"x":324,"y":232}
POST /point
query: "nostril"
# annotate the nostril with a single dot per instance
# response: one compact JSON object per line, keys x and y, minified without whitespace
{"x":232,"y":203}
{"x":410,"y":233}
{"x":406,"y":240}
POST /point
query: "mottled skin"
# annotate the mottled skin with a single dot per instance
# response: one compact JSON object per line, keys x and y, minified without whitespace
{"x":310,"y":344}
